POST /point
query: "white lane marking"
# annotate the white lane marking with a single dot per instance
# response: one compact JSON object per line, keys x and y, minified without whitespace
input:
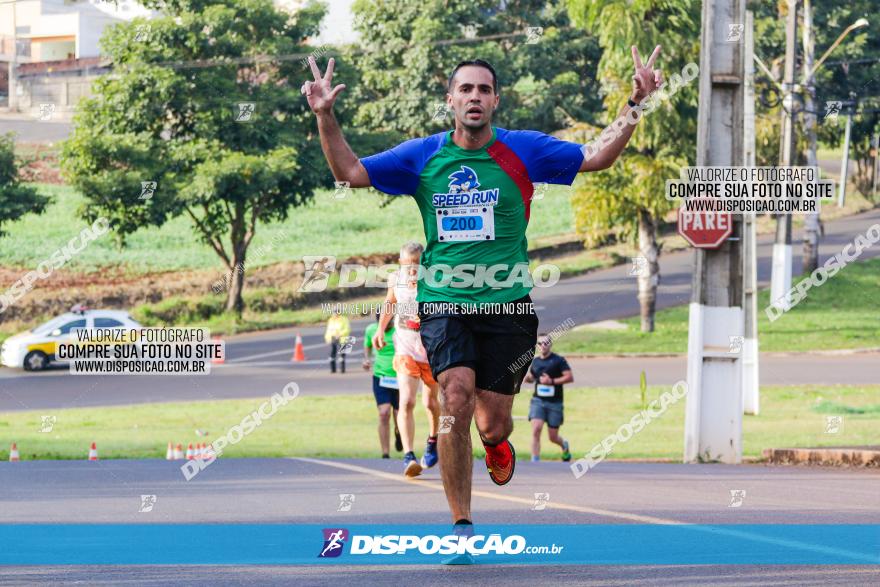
{"x":273,"y":353}
{"x":872,"y":559}
{"x":287,"y":363}
{"x":498,"y":496}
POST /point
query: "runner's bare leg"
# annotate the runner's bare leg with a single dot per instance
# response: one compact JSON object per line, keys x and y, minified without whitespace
{"x":406,"y":423}
{"x":492,"y":415}
{"x":384,"y":416}
{"x":555,"y":438}
{"x":431,"y":400}
{"x":537,"y":425}
{"x":457,"y":399}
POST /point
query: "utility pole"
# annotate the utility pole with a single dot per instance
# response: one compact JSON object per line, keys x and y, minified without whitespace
{"x":811,"y":222}
{"x":876,"y":170}
{"x":713,"y":414}
{"x":12,"y":88}
{"x":844,"y":164}
{"x":750,"y":381}
{"x":780,"y":279}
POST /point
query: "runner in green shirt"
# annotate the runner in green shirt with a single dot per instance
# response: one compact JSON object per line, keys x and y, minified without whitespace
{"x":473,"y":186}
{"x":385,"y":387}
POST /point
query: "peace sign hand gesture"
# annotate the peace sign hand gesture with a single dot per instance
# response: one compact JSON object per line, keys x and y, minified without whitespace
{"x":646,"y":78}
{"x":320,"y":93}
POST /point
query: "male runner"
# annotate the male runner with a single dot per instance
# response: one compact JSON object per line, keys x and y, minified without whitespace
{"x":410,"y":359}
{"x":473,"y":186}
{"x":549,"y":372}
{"x":385,"y":387}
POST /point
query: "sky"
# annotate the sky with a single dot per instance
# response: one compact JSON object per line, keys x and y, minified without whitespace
{"x":337,"y":25}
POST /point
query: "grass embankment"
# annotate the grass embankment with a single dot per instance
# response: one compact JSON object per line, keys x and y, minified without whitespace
{"x":354,"y":225}
{"x":345,"y":426}
{"x":841,"y":314}
{"x":325,"y":225}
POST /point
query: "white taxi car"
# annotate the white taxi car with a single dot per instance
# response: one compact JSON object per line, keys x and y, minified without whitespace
{"x":35,"y":350}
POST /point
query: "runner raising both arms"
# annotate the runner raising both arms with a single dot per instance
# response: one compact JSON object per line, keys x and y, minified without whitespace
{"x":473,"y":186}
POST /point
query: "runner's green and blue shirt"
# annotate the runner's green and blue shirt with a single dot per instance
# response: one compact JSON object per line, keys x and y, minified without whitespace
{"x":383,"y":363}
{"x":475,"y":205}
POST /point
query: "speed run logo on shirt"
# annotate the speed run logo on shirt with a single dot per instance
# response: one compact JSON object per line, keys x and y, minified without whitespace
{"x":463,"y":186}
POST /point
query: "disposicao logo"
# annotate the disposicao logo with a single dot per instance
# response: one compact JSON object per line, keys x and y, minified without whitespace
{"x":334,"y":540}
{"x":432,"y":544}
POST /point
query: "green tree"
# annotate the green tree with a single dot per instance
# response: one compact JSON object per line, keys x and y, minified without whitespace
{"x":852,"y":71}
{"x":546,"y":80}
{"x":628,"y":198}
{"x":205,"y":102}
{"x":16,"y":198}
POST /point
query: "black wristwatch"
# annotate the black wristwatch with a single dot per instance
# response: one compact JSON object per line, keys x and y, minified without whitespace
{"x":630,"y":103}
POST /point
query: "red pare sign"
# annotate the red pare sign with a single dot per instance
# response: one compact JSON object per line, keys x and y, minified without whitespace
{"x":705,"y":230}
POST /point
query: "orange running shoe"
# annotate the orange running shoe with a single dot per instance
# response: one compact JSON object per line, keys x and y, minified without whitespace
{"x":501,"y":462}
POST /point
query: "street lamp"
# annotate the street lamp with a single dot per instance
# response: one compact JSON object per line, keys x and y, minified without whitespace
{"x":781,"y":274}
{"x":862,"y":22}
{"x":808,"y":79}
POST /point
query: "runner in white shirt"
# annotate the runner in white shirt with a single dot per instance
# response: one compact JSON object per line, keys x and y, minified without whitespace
{"x":410,"y":359}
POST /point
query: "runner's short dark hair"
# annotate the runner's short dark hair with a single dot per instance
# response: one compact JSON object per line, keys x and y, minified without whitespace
{"x":478,"y":63}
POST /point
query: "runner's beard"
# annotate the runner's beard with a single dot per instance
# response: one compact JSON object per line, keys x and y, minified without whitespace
{"x":473,"y":126}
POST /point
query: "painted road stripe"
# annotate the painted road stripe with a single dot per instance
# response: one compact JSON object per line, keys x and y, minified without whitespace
{"x":490,"y":495}
{"x":288,"y":351}
{"x":856,"y":556}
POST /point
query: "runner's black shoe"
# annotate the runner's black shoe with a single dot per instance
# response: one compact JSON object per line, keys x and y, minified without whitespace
{"x":398,"y":443}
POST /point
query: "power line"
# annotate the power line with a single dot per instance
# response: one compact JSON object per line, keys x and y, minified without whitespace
{"x":202,"y":63}
{"x":854,"y":61}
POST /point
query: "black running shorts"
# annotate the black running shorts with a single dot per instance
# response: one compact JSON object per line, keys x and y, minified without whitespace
{"x":497,"y":341}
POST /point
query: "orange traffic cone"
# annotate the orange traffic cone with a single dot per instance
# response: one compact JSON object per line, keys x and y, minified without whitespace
{"x":222,"y":358}
{"x":13,"y":453}
{"x":299,"y":354}
{"x":93,"y":452}
{"x":178,"y":452}
{"x":169,"y":452}
{"x":190,"y":454}
{"x":209,"y":452}
{"x":200,"y":452}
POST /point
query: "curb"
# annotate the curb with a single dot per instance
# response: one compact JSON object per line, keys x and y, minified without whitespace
{"x":625,"y":355}
{"x":852,"y":457}
{"x":832,"y":353}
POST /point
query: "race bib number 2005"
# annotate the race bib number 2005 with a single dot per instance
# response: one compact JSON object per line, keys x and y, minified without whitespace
{"x":389,"y":382}
{"x":546,"y":390}
{"x":466,"y":223}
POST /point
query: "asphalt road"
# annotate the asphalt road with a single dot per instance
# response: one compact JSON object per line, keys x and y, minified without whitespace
{"x":59,"y":390}
{"x":259,"y":363}
{"x":394,"y":576}
{"x":305,"y":491}
{"x":28,"y":129}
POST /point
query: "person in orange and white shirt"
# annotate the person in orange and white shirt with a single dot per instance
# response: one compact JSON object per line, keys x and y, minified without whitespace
{"x":410,"y":359}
